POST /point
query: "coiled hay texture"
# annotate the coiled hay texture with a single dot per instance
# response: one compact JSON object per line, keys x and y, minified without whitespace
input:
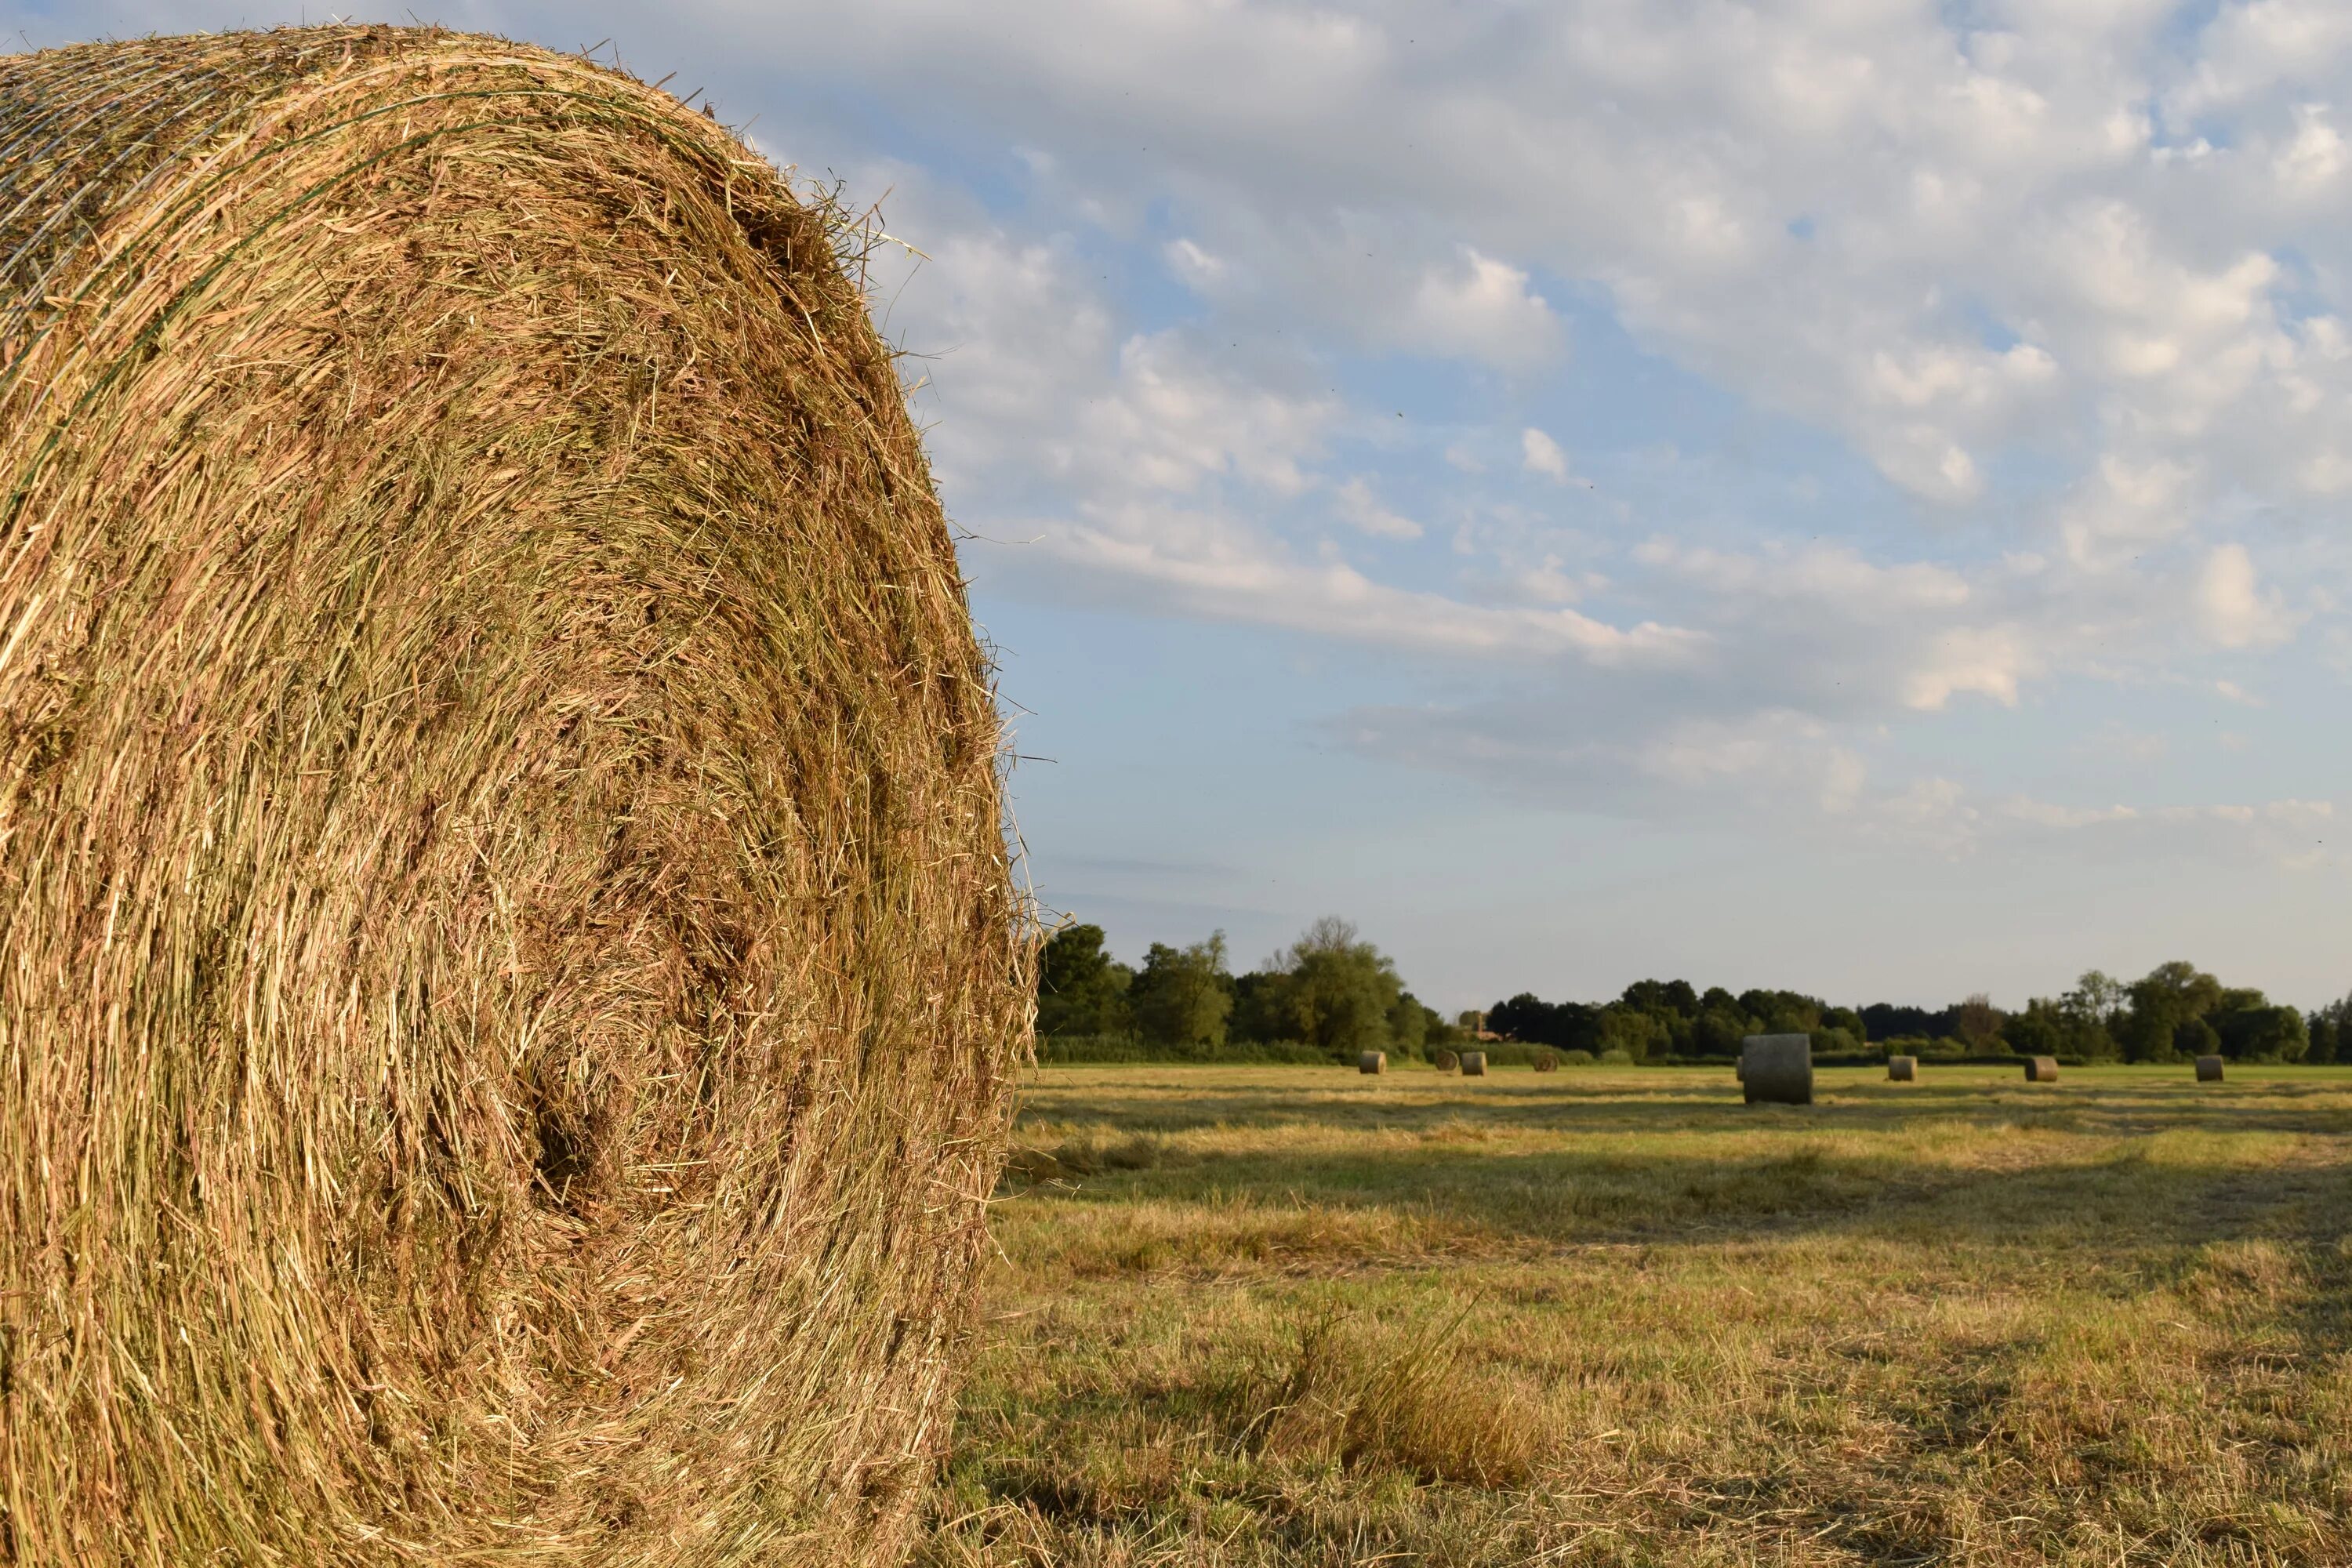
{"x":1372,"y":1061}
{"x":2208,"y":1069}
{"x":508,"y":962}
{"x":1777,"y":1068}
{"x":1902,"y":1069}
{"x":2042,"y":1069}
{"x":1474,"y":1064}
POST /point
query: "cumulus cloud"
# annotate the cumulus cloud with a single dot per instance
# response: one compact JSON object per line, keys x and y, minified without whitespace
{"x":2233,"y":607}
{"x":1481,"y":309}
{"x":1540,"y":454}
{"x":1358,"y":507}
{"x":2057,"y":291}
{"x":1217,"y":567}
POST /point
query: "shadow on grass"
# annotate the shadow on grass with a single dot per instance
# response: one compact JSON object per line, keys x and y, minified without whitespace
{"x":1688,"y":1101}
{"x":2110,"y":1202}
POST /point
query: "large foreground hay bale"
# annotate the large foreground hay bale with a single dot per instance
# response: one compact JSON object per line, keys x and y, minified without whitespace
{"x":1474,"y":1064}
{"x":1372,"y":1061}
{"x":1447,"y":1061}
{"x":1902,"y":1069}
{"x":2208,"y":1069}
{"x":2042,"y":1069}
{"x":1777,"y":1068}
{"x":510,"y":962}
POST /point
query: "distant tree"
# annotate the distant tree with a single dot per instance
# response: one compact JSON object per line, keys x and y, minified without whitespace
{"x":1080,"y":989}
{"x":2327,"y":1033}
{"x":1978,"y":1022}
{"x":2158,"y":1002}
{"x":2039,"y":1031}
{"x":1565,"y":1026}
{"x":1258,"y":1011}
{"x":1886,"y":1020}
{"x":2195,"y":1038}
{"x":1639,"y":1033}
{"x":1409,"y":1024}
{"x":1183,"y":996}
{"x":1330,"y":989}
{"x":2256,"y":1031}
{"x":1717,"y":1031}
{"x":1674,"y":998}
{"x":2086,"y":1016}
{"x":2097,"y":997}
{"x":1835,"y":1041}
{"x":1783,"y":1011}
{"x":1718,"y":1000}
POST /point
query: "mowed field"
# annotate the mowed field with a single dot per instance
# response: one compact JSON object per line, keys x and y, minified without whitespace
{"x":1294,"y":1315}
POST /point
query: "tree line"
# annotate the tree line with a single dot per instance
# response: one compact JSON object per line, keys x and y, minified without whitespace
{"x":2174,"y":1012}
{"x":1333,"y":993}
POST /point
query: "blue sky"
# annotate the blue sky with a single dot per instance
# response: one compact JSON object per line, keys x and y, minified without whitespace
{"x":1848,"y":496}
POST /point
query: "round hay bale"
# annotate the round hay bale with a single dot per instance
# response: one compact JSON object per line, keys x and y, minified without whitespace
{"x":1545,"y":1062}
{"x":512,"y":964}
{"x":1372,"y":1062}
{"x":2208,"y":1069}
{"x":1474,"y":1064}
{"x":2042,"y":1069}
{"x":1447,"y":1061}
{"x":1902,"y":1069}
{"x":1777,"y":1068}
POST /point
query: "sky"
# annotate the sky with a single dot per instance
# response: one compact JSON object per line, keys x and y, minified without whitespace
{"x":1843,"y":496}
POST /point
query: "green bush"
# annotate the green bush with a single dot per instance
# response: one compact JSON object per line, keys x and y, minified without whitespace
{"x":1618,"y":1057}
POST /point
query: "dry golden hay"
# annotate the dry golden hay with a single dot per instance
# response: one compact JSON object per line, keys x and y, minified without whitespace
{"x":1447,"y":1061}
{"x":1545,"y":1062}
{"x":1372,"y":1062}
{"x":1474,"y":1064}
{"x":508,"y":959}
{"x":1902,"y":1069}
{"x":2042,"y":1069}
{"x":1777,"y":1068}
{"x":2208,"y":1069}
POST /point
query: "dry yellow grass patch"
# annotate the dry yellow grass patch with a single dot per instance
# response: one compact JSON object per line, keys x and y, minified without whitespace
{"x":1618,"y":1318}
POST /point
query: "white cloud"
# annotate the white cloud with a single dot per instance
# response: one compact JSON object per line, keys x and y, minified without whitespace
{"x":2233,"y":609}
{"x":2310,"y":164}
{"x":1198,"y":269}
{"x":1211,"y":565}
{"x":1540,"y":454}
{"x":1358,"y":507}
{"x":1480,"y":309}
{"x":2069,"y":281}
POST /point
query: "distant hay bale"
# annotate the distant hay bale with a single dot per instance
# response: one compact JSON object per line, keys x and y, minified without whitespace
{"x":2042,"y":1069}
{"x":2208,"y":1069}
{"x":1474,"y":1064}
{"x":1372,"y":1062}
{"x":1545,"y":1062}
{"x":1447,"y":1061}
{"x":1902,"y":1069}
{"x":511,"y":965}
{"x":1777,"y":1068}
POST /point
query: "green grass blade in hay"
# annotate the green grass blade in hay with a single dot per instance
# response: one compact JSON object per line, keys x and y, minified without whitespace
{"x":510,"y":962}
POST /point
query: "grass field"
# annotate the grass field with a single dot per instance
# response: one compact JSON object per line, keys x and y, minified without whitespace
{"x":1292,"y":1315}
